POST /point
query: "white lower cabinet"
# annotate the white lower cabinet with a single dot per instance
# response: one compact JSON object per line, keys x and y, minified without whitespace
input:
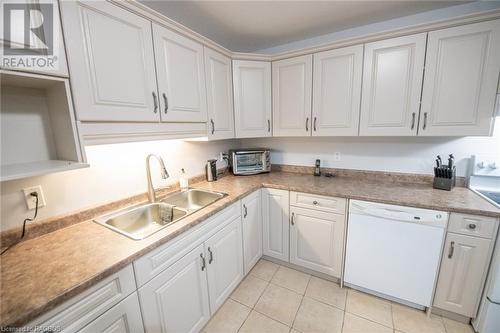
{"x":177,"y":299}
{"x":99,"y":301}
{"x":251,"y":211}
{"x":182,"y":297}
{"x":317,"y":240}
{"x":225,"y":263}
{"x":275,"y":222}
{"x":461,"y":276}
{"x":125,"y":317}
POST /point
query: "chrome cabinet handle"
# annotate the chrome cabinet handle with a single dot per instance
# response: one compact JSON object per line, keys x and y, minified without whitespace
{"x":245,"y":211}
{"x":314,"y":124}
{"x":213,"y":125}
{"x":307,"y":124}
{"x":413,"y":120}
{"x":166,"y":102}
{"x":211,"y":256}
{"x":155,"y":103}
{"x":425,"y":121}
{"x":292,"y":219}
{"x":472,"y":226}
{"x":203,"y":263}
{"x":452,"y":249}
{"x":269,"y":126}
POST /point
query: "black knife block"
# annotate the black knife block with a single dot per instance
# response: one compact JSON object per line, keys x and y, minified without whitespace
{"x":447,"y":184}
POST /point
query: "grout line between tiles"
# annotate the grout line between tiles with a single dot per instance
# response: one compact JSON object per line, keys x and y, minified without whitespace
{"x":301,"y":300}
{"x":392,"y":317}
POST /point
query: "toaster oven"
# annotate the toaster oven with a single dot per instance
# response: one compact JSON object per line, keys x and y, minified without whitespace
{"x":250,"y":161}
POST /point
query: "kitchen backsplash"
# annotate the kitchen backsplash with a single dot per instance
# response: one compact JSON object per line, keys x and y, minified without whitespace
{"x":118,"y":171}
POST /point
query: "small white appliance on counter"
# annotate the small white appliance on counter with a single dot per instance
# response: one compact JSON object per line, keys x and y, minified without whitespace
{"x":394,"y":251}
{"x":250,"y":161}
{"x":488,"y":319}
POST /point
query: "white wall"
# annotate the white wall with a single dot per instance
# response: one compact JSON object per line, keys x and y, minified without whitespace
{"x":116,"y":171}
{"x":394,"y":24}
{"x":396,"y":154}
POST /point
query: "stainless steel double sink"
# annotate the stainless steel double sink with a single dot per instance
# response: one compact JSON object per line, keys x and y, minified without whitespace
{"x":143,"y":220}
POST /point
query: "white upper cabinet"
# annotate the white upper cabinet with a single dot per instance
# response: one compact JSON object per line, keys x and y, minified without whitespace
{"x":111,"y":62}
{"x":337,"y":91}
{"x":292,"y":90}
{"x":252,"y":98}
{"x":461,"y":77}
{"x":60,"y":67}
{"x":392,"y":83}
{"x":219,"y":95}
{"x":181,"y":77}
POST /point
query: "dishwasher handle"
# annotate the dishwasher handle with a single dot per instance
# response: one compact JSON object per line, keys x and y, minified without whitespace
{"x":384,"y":211}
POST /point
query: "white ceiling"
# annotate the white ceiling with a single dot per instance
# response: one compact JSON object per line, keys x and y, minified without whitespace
{"x":247,"y":26}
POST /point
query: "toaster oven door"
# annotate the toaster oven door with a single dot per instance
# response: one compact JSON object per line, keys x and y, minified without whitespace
{"x":245,"y":163}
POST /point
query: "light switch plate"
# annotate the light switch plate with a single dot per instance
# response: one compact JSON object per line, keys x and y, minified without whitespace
{"x":30,"y":200}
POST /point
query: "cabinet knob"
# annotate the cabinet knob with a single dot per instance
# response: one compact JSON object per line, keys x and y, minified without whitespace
{"x":472,"y":226}
{"x":315,"y":203}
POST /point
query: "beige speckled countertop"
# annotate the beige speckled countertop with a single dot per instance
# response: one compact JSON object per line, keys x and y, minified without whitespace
{"x":41,"y":273}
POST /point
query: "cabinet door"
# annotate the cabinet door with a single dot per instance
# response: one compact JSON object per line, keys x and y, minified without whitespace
{"x":275,"y":222}
{"x":125,"y":317}
{"x":252,"y":98}
{"x":317,"y":240}
{"x":219,"y":95}
{"x":110,"y":56}
{"x":225,"y":263}
{"x":461,"y":77}
{"x":292,"y":90}
{"x":252,"y":229}
{"x":181,"y":77}
{"x":461,"y":276}
{"x":337,"y":91}
{"x":177,"y":299}
{"x":392,"y":83}
{"x":56,"y":52}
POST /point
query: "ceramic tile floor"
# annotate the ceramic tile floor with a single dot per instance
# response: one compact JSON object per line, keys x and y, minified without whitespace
{"x":274,"y":299}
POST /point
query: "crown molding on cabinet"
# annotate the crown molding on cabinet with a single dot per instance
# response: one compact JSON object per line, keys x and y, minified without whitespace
{"x":163,"y":20}
{"x":151,"y":14}
{"x":408,"y":30}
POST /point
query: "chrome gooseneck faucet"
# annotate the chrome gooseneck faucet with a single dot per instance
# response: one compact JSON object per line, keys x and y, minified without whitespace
{"x":164,"y":175}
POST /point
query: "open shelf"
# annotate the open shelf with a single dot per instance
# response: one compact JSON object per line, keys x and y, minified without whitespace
{"x":38,"y":130}
{"x":39,"y":168}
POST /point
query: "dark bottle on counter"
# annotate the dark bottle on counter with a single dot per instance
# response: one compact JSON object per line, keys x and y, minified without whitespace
{"x":317,"y":170}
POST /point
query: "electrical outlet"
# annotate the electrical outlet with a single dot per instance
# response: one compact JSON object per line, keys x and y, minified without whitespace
{"x":30,"y":200}
{"x":336,"y":156}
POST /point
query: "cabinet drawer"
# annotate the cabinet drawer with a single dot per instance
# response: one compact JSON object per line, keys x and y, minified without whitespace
{"x":472,"y":225}
{"x":318,"y":202}
{"x":123,"y":317}
{"x":161,"y":258}
{"x":79,"y":311}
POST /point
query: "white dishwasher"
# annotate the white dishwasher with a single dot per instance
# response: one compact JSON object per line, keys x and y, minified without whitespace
{"x":394,"y":251}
